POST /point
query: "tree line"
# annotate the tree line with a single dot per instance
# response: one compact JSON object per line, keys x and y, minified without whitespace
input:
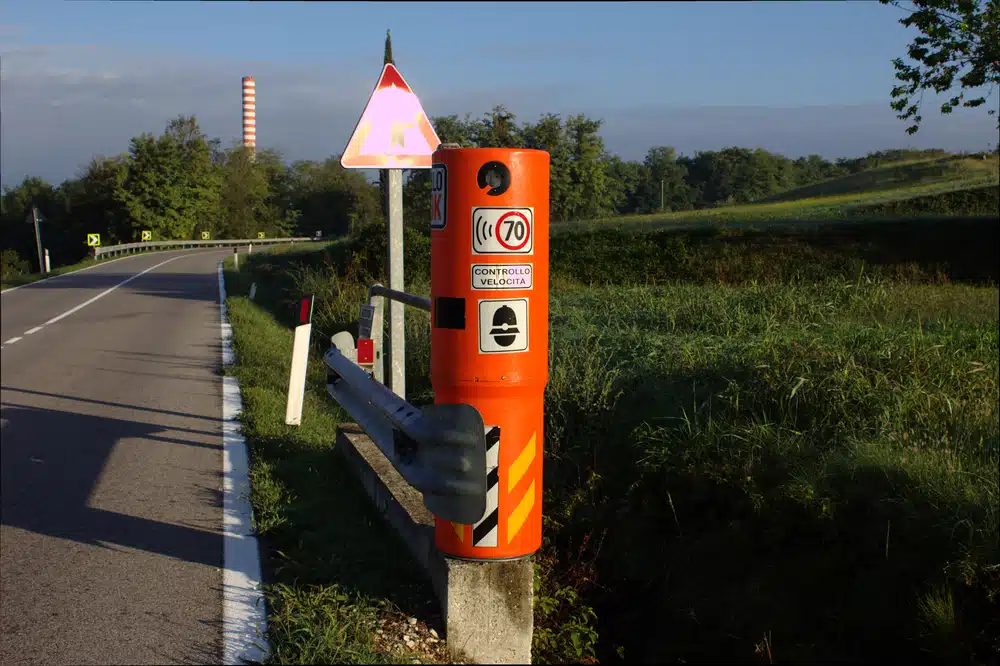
{"x":181,"y":182}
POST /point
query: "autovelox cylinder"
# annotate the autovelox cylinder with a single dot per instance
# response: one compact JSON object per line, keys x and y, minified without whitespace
{"x":489,"y":331}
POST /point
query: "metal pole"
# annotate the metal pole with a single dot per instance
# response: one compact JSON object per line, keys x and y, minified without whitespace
{"x":397,"y":329}
{"x":401,"y":296}
{"x":38,"y":240}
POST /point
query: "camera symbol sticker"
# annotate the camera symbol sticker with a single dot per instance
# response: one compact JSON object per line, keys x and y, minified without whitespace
{"x":503,"y":326}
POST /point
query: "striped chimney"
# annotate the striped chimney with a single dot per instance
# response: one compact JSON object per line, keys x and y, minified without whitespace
{"x":250,"y":114}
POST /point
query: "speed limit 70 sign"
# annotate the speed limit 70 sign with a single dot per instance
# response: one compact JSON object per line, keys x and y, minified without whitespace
{"x":497,"y":230}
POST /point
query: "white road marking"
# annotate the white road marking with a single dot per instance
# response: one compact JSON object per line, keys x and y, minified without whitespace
{"x":106,"y":292}
{"x":53,"y":277}
{"x":244,"y":615}
{"x":91,"y":300}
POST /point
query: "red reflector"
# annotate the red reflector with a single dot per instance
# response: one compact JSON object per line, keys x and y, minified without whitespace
{"x":366,"y":351}
{"x":304,"y":311}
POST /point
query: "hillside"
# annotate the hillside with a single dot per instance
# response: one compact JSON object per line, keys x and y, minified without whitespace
{"x":910,"y":178}
{"x":838,"y":198}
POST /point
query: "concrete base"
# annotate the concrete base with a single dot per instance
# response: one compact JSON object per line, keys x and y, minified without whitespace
{"x":487,"y":606}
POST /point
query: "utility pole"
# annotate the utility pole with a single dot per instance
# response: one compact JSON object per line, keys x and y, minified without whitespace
{"x":661,"y":195}
{"x":38,"y":240}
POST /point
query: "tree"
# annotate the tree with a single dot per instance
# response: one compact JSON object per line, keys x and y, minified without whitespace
{"x":959,"y":38}
{"x":813,"y":169}
{"x":662,"y":175}
{"x":625,"y":179}
{"x":93,"y":204}
{"x":15,"y":207}
{"x":590,"y":191}
{"x":331,"y":198}
{"x":172,"y":186}
{"x":245,"y":197}
{"x":498,"y":129}
{"x":548,"y":134}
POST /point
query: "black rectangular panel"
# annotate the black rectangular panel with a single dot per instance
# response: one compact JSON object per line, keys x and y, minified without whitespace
{"x":449,"y":312}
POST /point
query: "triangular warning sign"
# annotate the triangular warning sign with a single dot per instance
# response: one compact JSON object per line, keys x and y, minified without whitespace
{"x":393,"y":132}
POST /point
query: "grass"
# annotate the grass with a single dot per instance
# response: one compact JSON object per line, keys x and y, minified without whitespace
{"x":338,"y":582}
{"x":811,"y":462}
{"x":902,"y":180}
{"x":836,"y":199}
{"x":916,"y":249}
{"x":774,"y":445}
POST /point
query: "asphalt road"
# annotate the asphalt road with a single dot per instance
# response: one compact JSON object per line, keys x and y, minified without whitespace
{"x":111,"y":546}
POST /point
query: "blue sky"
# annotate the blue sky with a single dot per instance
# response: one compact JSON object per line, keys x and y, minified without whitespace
{"x":81,"y":78}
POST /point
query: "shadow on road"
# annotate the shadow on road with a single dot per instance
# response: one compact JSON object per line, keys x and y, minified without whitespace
{"x":110,"y":404}
{"x":51,"y":461}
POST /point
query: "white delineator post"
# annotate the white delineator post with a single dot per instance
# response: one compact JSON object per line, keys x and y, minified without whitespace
{"x":48,"y":266}
{"x":236,"y":259}
{"x":300,"y":361}
{"x":250,"y":115}
{"x":397,"y":322}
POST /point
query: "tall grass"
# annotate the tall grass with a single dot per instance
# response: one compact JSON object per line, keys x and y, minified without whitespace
{"x":807,"y":462}
{"x":759,"y":445}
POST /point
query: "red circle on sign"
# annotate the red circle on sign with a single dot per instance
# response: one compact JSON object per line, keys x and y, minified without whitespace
{"x":527,"y":230}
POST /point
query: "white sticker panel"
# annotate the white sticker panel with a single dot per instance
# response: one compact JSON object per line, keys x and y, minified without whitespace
{"x":503,"y":326}
{"x":498,"y":277}
{"x":497,"y":230}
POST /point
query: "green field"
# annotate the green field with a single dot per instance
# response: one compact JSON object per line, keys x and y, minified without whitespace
{"x":773,"y":443}
{"x":859,"y":195}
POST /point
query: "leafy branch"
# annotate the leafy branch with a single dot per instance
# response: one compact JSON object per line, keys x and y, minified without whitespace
{"x":959,"y":43}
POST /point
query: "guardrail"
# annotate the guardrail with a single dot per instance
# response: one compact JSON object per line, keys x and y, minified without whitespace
{"x":439,"y":449}
{"x":128,"y":248}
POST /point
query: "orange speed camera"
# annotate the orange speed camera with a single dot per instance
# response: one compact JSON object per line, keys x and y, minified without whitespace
{"x":489,"y":331}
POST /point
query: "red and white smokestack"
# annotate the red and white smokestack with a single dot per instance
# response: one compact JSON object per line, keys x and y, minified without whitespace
{"x":250,"y":114}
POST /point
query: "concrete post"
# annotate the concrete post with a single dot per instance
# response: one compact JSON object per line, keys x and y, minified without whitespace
{"x":488,"y":605}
